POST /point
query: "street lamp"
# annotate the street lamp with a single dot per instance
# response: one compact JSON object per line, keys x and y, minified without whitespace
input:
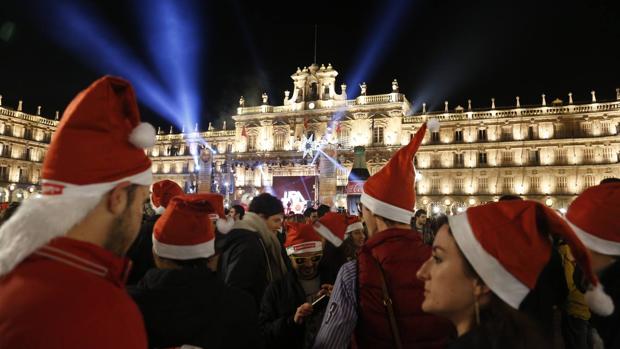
{"x":11,"y":189}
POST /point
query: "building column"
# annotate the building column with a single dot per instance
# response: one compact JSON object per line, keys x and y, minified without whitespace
{"x":327,"y":176}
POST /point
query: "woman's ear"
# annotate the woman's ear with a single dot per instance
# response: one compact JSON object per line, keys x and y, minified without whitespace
{"x":480,"y":288}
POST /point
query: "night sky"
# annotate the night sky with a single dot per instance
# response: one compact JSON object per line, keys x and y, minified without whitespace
{"x":438,"y":50}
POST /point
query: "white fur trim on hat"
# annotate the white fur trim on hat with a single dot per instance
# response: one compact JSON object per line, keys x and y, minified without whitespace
{"x":224,"y":225}
{"x":495,"y":276}
{"x":353,"y":227}
{"x":606,"y":247}
{"x":386,"y":210}
{"x":599,"y":301}
{"x":305,"y":247}
{"x":184,"y":252}
{"x":143,"y":135}
{"x":38,"y":220}
{"x":56,"y":188}
{"x":327,"y":234}
{"x":159,"y":210}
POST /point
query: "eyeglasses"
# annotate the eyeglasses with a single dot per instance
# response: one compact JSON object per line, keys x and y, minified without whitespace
{"x":313,"y":259}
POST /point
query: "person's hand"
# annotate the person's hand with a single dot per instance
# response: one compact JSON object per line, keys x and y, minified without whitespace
{"x":302,"y":311}
{"x":326,"y":289}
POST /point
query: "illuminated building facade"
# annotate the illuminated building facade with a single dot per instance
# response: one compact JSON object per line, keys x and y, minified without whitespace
{"x":24,"y":139}
{"x":547,"y":152}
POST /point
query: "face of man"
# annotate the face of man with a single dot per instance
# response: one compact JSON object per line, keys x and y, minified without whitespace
{"x":127,"y":225}
{"x":421,"y":220}
{"x":233,"y":214}
{"x":274,"y":223}
{"x":314,"y":216}
{"x":306,"y":265}
{"x":369,"y":220}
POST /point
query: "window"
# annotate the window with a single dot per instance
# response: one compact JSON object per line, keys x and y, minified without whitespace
{"x":534,"y":157}
{"x":507,"y":157}
{"x":459,"y":160}
{"x":435,"y":183}
{"x":588,"y":181}
{"x":531,"y":132}
{"x":458,"y":135}
{"x":280,"y":141}
{"x":377,"y":135}
{"x":588,"y":154}
{"x":562,"y":185}
{"x":23,"y":175}
{"x":344,"y":136}
{"x":483,"y":184}
{"x":560,"y":156}
{"x":229,"y":148}
{"x":586,"y":128}
{"x":507,"y":184}
{"x":506,"y":133}
{"x":534,"y":184}
{"x":435,"y":137}
{"x":482,"y":134}
{"x":251,"y":142}
{"x":608,"y":155}
{"x":458,"y":185}
{"x":435,"y":161}
{"x":4,"y":173}
{"x":482,"y":158}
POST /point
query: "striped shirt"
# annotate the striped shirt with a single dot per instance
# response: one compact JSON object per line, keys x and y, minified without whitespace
{"x":341,"y":315}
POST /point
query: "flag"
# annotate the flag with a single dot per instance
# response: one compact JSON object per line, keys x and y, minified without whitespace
{"x":305,"y":122}
{"x":243,"y":133}
{"x":372,"y":124}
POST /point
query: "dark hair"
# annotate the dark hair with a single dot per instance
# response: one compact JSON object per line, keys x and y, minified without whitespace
{"x":509,"y":197}
{"x":239,"y":210}
{"x":309,"y":211}
{"x":322,"y":210}
{"x":298,"y":218}
{"x":420,"y":212}
{"x":267,"y":205}
{"x":610,"y":180}
{"x":502,"y":326}
{"x":195,"y":263}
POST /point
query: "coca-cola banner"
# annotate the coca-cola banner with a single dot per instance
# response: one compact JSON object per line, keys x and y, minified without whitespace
{"x":354,"y":187}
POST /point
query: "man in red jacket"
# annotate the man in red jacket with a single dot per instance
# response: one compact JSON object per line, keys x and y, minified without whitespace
{"x":357,"y":309}
{"x":62,"y":270}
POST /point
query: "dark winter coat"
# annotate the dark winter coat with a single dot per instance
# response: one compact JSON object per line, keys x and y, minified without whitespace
{"x":243,"y":263}
{"x":141,"y":251}
{"x":280,"y":302}
{"x":192,"y":306}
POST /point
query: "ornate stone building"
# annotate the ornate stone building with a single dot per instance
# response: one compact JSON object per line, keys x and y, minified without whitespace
{"x":24,"y":139}
{"x":547,"y":152}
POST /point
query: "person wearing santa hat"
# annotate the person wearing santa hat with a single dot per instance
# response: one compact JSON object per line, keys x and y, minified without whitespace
{"x":593,"y":216}
{"x":487,"y":261}
{"x":375,"y":300}
{"x":339,"y":246}
{"x":61,"y":255}
{"x":182,"y":300}
{"x":140,"y":251}
{"x":287,"y":317}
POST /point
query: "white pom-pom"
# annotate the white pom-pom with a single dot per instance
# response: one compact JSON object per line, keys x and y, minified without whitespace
{"x":432,"y":125}
{"x":224,"y":225}
{"x":143,"y":135}
{"x":599,"y":302}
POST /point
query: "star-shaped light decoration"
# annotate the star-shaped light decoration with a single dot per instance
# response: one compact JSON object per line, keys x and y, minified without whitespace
{"x":308,"y":145}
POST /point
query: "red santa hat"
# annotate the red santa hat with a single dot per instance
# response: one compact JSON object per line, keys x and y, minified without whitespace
{"x":354,"y":223}
{"x":162,"y":192}
{"x":301,"y":238}
{"x":185,"y":230}
{"x":333,"y":227}
{"x":379,"y":193}
{"x":594,"y":218}
{"x":99,"y":144}
{"x":508,"y":245}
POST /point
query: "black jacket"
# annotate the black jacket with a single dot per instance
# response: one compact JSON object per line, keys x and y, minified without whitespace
{"x":141,"y":251}
{"x":243,"y":263}
{"x":192,"y":306}
{"x":278,"y":307}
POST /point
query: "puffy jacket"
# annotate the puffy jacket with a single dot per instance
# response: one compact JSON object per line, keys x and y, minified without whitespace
{"x":401,"y":253}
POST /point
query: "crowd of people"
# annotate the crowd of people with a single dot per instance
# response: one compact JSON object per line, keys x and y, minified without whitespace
{"x":104,"y":258}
